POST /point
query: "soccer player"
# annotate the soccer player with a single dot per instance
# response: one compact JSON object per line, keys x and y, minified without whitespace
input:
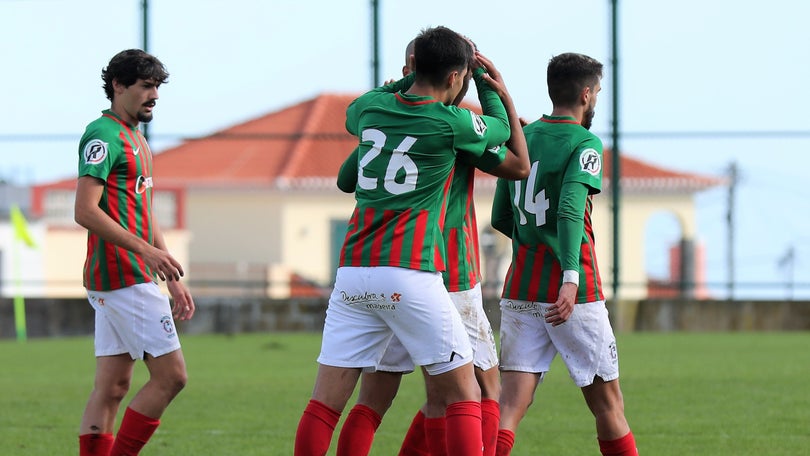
{"x":389,"y":282}
{"x":126,"y":252}
{"x":552,"y":299}
{"x":462,"y":279}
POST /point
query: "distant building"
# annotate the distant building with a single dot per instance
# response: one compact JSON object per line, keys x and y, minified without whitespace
{"x":254,"y":210}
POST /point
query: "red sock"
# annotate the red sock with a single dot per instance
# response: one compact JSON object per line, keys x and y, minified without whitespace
{"x":623,"y":446}
{"x":464,"y":428}
{"x":135,"y":431}
{"x":315,"y":429}
{"x":436,"y":436}
{"x":415,"y":443}
{"x":95,"y":444}
{"x":506,"y":440}
{"x":358,"y":431}
{"x":490,"y":417}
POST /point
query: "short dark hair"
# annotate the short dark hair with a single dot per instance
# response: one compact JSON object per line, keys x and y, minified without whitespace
{"x":568,"y":74}
{"x":129,"y":66}
{"x":437,"y":52}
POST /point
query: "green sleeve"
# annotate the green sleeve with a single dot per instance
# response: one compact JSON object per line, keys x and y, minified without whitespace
{"x":398,"y":86}
{"x":501,"y":218}
{"x":482,"y":145}
{"x":347,"y":176}
{"x":571,"y":223}
{"x":494,"y":112}
{"x":99,"y":152}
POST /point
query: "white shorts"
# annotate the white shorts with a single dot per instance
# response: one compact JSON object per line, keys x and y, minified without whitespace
{"x":470,"y":306}
{"x":135,"y":320}
{"x":369,"y":305}
{"x":585,"y":342}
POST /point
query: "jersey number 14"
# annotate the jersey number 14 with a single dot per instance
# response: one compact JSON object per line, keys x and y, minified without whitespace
{"x":536,"y":204}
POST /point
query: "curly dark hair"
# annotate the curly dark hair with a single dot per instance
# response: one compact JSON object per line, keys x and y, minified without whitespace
{"x":568,"y":74}
{"x":128,"y":66}
{"x":439,"y":51}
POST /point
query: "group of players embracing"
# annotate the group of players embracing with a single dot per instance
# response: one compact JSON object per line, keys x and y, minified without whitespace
{"x":408,"y":289}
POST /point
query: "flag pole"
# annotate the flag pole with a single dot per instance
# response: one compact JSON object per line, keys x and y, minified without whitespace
{"x":19,"y":300}
{"x":21,"y":236}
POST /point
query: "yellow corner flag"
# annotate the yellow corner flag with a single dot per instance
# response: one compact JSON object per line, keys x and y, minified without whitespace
{"x":20,"y":232}
{"x":21,"y":226}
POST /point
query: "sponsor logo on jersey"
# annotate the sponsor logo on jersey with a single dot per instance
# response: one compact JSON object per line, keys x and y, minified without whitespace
{"x":135,"y":152}
{"x":478,"y":124}
{"x":168,"y":325}
{"x":142,"y":183}
{"x":494,"y":150}
{"x":590,"y":162}
{"x":95,"y":152}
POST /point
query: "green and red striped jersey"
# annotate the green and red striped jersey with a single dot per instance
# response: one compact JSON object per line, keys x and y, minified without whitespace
{"x":405,"y":165}
{"x":461,"y":232}
{"x":561,"y":151}
{"x":117,"y":153}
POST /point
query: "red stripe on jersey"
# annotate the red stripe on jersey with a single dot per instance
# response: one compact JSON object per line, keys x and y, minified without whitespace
{"x":438,"y":259}
{"x":419,"y":229}
{"x":453,"y":258}
{"x":558,"y":121}
{"x":507,"y":282}
{"x":110,"y":254}
{"x":445,"y":193}
{"x":589,"y":264}
{"x":353,"y":229}
{"x":91,"y":279}
{"x":555,"y":278}
{"x":471,"y":229}
{"x":357,"y":254}
{"x":516,"y":270}
{"x":399,"y":235}
{"x":414,"y":103}
{"x":377,"y":243}
{"x":537,"y":265}
{"x":132,"y":222}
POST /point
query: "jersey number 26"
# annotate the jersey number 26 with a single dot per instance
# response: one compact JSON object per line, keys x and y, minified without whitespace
{"x":399,"y":161}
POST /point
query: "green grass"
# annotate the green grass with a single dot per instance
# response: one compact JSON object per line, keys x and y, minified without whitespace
{"x":696,"y":394}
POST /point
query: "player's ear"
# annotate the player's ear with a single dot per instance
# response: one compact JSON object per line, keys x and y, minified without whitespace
{"x":585,"y":96}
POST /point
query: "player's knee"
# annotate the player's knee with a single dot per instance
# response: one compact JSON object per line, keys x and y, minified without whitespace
{"x":115,"y":391}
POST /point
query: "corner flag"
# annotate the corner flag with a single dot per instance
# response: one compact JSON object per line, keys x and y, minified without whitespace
{"x":20,"y":232}
{"x":21,"y":226}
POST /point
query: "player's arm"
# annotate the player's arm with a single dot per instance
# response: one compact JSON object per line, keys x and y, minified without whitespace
{"x":347,"y":176}
{"x":183,"y":304}
{"x":570,"y":225}
{"x":494,"y":112}
{"x":493,"y":96}
{"x":88,"y":214}
{"x":501,"y":217}
{"x":397,"y":86}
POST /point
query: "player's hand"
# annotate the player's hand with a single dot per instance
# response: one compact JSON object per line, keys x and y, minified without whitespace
{"x":492,"y":76}
{"x":561,"y":310}
{"x":184,"y":307}
{"x":164,"y":265}
{"x":523,"y":122}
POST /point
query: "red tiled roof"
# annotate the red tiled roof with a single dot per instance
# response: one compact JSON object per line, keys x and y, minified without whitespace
{"x":302,"y":146}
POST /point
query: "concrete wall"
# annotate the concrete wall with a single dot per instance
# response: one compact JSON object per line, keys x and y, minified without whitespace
{"x":74,"y":317}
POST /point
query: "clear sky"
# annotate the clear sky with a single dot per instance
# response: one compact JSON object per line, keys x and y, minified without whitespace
{"x":702,"y":84}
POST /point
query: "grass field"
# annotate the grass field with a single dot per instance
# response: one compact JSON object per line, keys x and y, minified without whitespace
{"x":685,"y":394}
